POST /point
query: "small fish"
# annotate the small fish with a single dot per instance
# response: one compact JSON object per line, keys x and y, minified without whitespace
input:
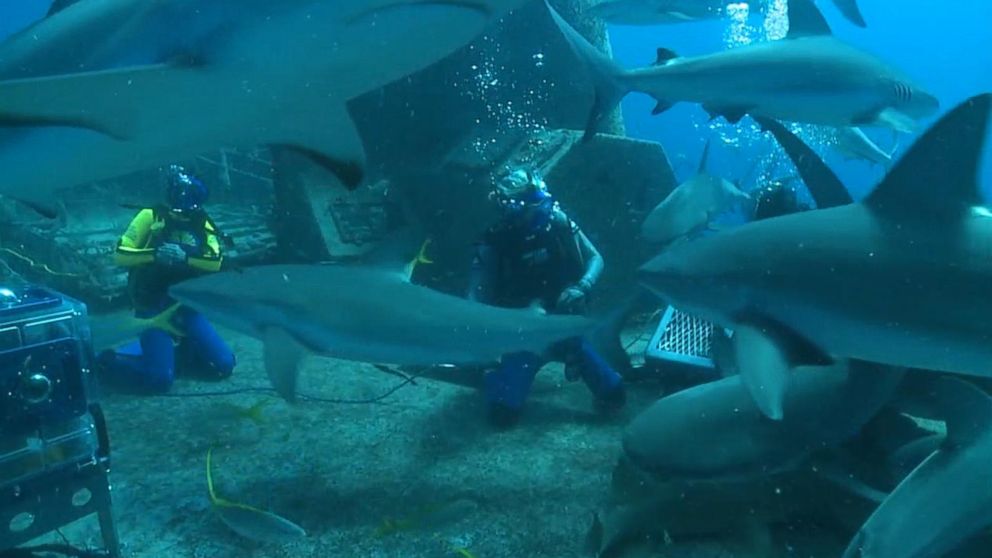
{"x":429,"y":517}
{"x":420,"y":259}
{"x":240,"y":412}
{"x":250,"y":522}
{"x":391,"y":526}
{"x":110,"y":330}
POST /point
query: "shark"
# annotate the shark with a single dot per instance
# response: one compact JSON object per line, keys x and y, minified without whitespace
{"x":898,"y":278}
{"x":655,"y":12}
{"x":691,"y":206}
{"x":853,"y":143}
{"x":809,"y":77}
{"x":946,"y":499}
{"x":102,"y":88}
{"x":850,"y":10}
{"x":374,"y":314}
{"x":824,"y":187}
{"x":715,"y":432}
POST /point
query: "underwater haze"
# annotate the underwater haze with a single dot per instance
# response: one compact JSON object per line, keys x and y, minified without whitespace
{"x":397,"y":279}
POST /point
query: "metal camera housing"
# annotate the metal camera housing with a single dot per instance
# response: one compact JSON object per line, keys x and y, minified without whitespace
{"x":54,"y":453}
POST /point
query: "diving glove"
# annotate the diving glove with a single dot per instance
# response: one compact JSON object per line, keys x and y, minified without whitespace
{"x":170,"y":255}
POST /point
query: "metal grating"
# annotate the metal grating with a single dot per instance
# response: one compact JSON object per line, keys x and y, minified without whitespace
{"x":682,"y":338}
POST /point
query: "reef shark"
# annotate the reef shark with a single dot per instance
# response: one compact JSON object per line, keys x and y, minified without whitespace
{"x":691,"y":206}
{"x":370,"y":314}
{"x":105,"y":87}
{"x":810,"y":77}
{"x":654,"y":12}
{"x":899,"y":278}
{"x":946,"y":499}
{"x":714,"y":431}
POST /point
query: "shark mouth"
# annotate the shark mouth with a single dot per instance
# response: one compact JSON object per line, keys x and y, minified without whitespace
{"x":476,"y":6}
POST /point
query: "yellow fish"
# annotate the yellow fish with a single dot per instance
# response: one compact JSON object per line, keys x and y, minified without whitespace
{"x":250,"y":522}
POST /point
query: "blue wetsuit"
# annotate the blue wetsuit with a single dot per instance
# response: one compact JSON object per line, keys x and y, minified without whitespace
{"x":514,"y":266}
{"x":150,"y":363}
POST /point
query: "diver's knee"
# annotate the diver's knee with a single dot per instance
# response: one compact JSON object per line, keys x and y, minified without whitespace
{"x":506,"y":388}
{"x":157,"y":380}
{"x":223,"y":367}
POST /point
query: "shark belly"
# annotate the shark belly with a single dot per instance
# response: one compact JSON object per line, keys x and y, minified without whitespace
{"x":886,"y":336}
{"x":811,"y":80}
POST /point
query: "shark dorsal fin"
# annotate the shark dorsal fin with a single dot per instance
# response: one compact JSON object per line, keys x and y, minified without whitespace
{"x":938,"y":177}
{"x":665,"y":56}
{"x":59,"y":5}
{"x":704,"y":160}
{"x":805,"y":20}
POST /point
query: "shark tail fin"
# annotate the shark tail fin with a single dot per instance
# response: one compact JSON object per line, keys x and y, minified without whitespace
{"x":607,"y":77}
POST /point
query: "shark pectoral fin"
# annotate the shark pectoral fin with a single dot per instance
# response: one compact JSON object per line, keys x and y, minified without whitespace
{"x":108,"y":101}
{"x":851,"y":11}
{"x":282,"y":355}
{"x":661,"y":107}
{"x":889,"y":118}
{"x":48,"y":209}
{"x":764,"y":369}
{"x":334,"y":145}
{"x":732,"y":114}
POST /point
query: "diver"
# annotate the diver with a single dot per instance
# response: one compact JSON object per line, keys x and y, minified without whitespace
{"x":776,"y":199}
{"x":536,"y":253}
{"x":162,"y":246}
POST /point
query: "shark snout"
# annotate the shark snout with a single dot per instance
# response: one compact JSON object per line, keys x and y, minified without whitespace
{"x":195,"y":292}
{"x":660,"y":272}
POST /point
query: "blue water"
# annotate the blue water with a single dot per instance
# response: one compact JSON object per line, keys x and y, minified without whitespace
{"x":15,"y":15}
{"x":943,"y":46}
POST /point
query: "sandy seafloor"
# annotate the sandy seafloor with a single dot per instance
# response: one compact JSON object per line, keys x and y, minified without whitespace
{"x":339,"y":470}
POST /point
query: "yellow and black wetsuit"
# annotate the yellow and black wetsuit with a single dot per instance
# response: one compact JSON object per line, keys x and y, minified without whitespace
{"x":149,"y":283}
